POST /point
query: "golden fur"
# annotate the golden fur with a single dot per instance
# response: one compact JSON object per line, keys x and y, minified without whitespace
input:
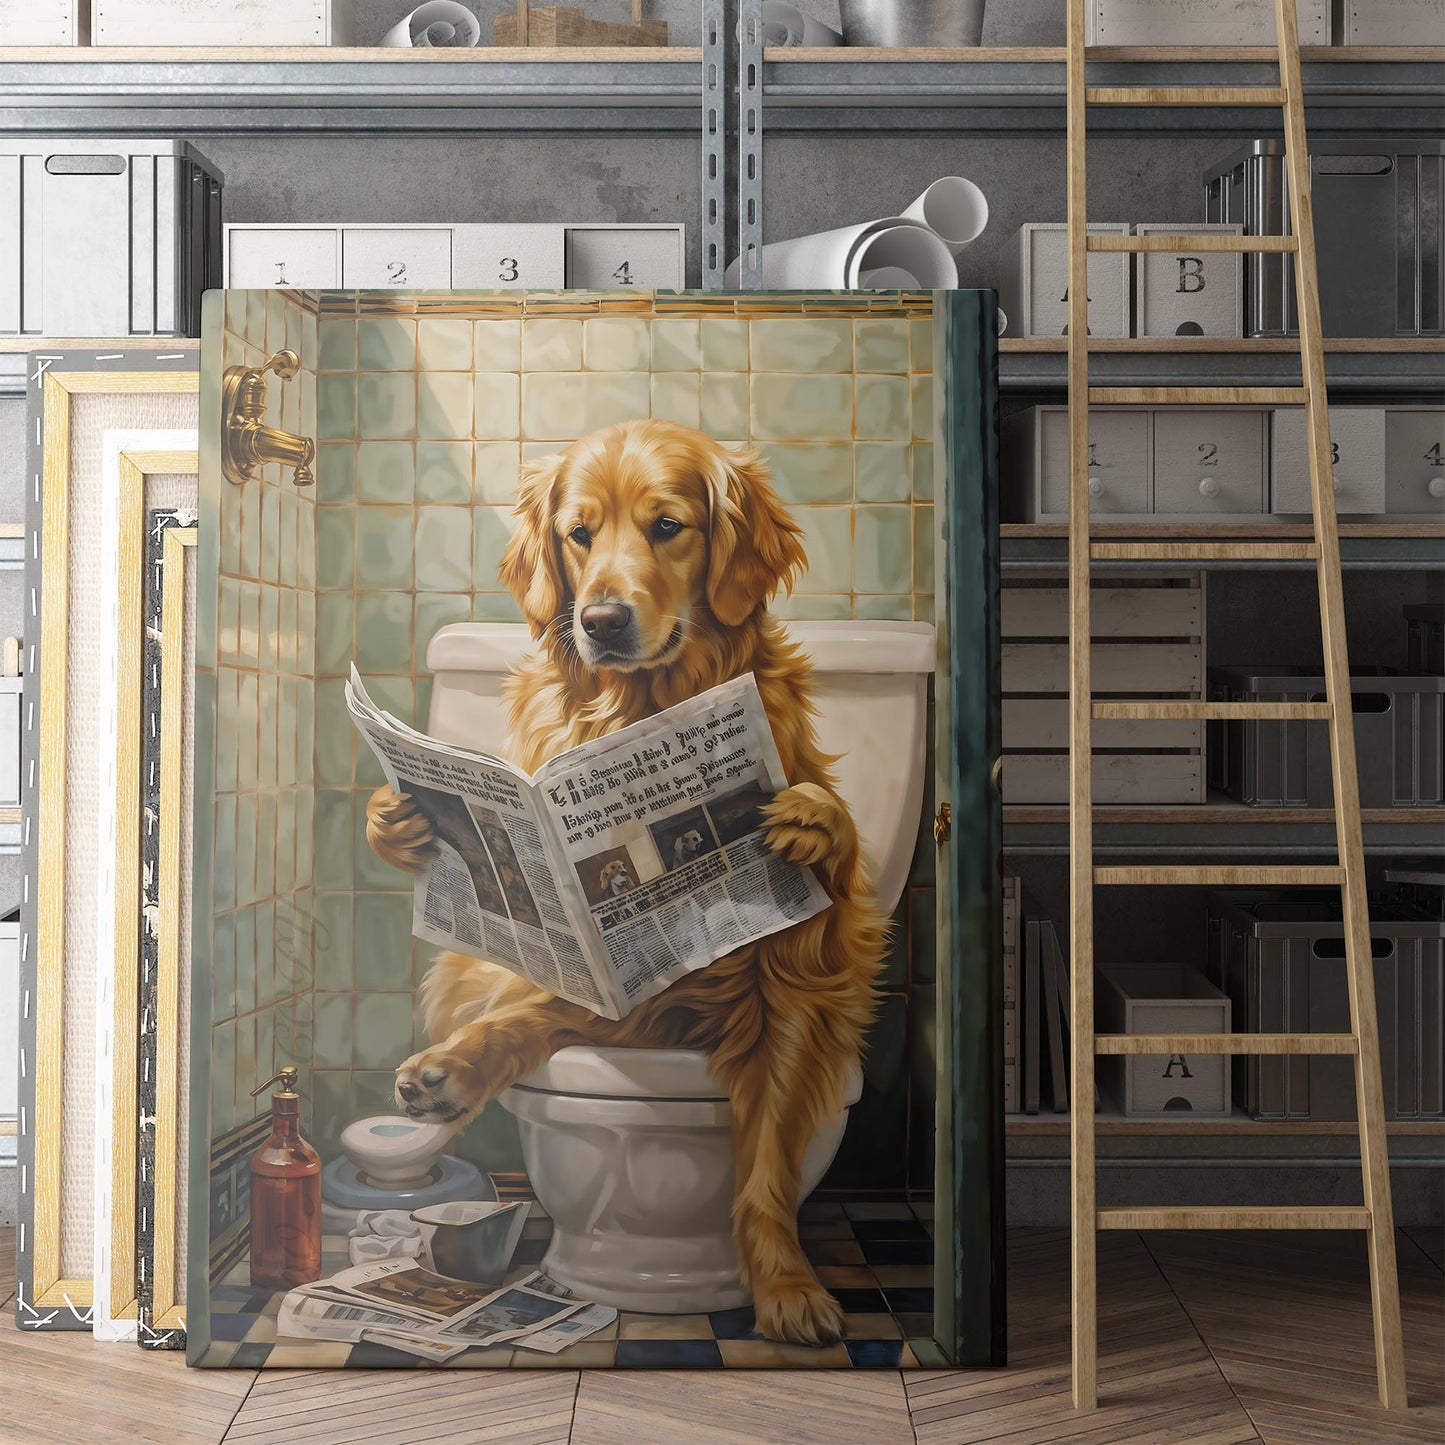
{"x":783,"y":1019}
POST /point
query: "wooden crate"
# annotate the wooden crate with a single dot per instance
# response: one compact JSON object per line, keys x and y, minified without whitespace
{"x":54,"y":22}
{"x":555,"y":26}
{"x":1389,"y":22}
{"x":185,"y":23}
{"x":1148,"y":635}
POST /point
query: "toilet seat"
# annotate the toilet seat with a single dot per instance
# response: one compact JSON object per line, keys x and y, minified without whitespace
{"x":610,"y":1073}
{"x":660,"y":1075}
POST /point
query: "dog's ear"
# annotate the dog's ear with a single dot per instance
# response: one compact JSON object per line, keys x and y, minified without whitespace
{"x":531,"y":566}
{"x":753,"y":546}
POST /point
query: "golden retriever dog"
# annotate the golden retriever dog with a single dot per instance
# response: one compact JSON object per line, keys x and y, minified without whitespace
{"x":644,"y":561}
{"x":614,"y":878}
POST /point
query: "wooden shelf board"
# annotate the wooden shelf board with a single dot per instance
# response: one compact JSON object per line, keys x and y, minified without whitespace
{"x":489,"y":54}
{"x":1044,"y":1125}
{"x":1057,"y":53}
{"x":1153,"y":528}
{"x":323,"y":54}
{"x":13,"y":345}
{"x":1223,"y":345}
{"x":1216,"y":812}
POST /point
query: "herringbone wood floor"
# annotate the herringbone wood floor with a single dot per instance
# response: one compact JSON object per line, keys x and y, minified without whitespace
{"x":1204,"y":1340}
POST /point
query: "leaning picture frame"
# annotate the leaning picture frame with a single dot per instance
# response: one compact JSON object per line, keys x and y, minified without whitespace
{"x":142,"y":470}
{"x":75,"y":398}
{"x":162,"y":929}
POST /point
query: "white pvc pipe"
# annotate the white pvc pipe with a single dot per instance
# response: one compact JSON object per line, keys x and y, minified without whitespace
{"x":954,"y":208}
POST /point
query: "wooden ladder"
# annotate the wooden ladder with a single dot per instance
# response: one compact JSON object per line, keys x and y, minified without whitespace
{"x":1376,"y":1217}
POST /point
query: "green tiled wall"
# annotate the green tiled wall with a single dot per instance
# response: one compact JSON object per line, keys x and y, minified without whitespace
{"x":422,"y":424}
{"x":264,"y":815}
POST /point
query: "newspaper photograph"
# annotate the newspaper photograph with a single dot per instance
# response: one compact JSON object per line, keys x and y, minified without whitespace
{"x":620,"y":866}
{"x":401,"y":1303}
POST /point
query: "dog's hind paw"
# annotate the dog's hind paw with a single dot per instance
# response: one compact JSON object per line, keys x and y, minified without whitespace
{"x":798,"y":1312}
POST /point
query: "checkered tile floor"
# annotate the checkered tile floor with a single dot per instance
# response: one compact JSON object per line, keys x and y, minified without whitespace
{"x":877,"y":1259}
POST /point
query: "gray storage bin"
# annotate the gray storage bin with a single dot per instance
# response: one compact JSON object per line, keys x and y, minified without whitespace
{"x":1280,"y":958}
{"x":1377,"y":211}
{"x":1399,"y":739}
{"x":1152,"y":998}
{"x":1425,"y":637}
{"x":106,"y":238}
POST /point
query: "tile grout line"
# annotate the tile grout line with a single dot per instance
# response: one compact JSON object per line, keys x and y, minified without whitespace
{"x":1199,"y":1334}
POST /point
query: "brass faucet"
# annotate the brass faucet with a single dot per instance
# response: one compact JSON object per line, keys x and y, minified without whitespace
{"x":246,"y":443}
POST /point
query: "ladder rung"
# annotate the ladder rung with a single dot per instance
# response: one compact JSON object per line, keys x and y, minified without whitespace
{"x":1185,"y":241}
{"x":1185,"y":95}
{"x":1205,"y":551}
{"x":1266,"y":1044}
{"x":1227,"y":876}
{"x":1198,"y":395}
{"x":1216,"y":711}
{"x":1225,"y":1217}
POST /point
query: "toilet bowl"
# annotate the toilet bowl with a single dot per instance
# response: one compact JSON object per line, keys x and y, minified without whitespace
{"x":629,"y":1150}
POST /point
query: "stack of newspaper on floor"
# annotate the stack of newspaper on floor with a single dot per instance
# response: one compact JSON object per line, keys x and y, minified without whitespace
{"x":402,"y":1303}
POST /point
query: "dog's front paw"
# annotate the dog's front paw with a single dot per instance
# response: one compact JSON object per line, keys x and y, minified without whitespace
{"x":398,"y":831}
{"x":440,"y":1087}
{"x":798,"y":1311}
{"x":806,"y":823}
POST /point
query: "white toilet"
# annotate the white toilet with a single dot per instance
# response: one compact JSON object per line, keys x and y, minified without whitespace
{"x":629,"y":1150}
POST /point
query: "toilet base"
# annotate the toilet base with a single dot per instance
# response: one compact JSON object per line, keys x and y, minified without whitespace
{"x":650,"y":1275}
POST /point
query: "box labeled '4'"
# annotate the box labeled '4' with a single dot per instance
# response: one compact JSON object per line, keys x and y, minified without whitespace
{"x":1189,"y":292}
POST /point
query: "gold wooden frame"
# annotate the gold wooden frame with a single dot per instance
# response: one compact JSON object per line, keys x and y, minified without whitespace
{"x":47,"y":1287}
{"x":134,"y":467}
{"x":166,"y":1311}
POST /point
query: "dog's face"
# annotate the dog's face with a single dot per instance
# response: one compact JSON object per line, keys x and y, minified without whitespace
{"x":614,"y":876}
{"x":640,"y":533}
{"x":691,"y":841}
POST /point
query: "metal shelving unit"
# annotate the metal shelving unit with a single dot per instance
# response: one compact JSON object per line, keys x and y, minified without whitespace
{"x":1222,"y":829}
{"x":197,"y":92}
{"x":1359,"y":369}
{"x":1021,"y":91}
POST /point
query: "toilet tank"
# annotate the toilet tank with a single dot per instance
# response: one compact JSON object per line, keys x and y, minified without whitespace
{"x":870,"y":688}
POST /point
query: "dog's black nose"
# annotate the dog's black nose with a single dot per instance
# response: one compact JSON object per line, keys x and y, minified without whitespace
{"x":408,"y":1091}
{"x":604,"y":620}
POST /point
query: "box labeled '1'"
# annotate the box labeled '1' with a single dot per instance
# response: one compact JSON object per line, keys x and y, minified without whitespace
{"x":1189,"y":292}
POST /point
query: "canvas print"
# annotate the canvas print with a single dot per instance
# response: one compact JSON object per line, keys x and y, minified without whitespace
{"x":572,"y":938}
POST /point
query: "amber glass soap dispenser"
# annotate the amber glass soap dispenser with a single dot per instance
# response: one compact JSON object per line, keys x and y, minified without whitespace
{"x":285,"y":1196}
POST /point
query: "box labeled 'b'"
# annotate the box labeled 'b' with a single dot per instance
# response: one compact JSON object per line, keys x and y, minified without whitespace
{"x":1189,"y":292}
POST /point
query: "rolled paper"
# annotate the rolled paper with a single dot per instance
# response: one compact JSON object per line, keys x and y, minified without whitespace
{"x":786,"y":25}
{"x":954,"y":209}
{"x":903,"y":247}
{"x":437,"y":25}
{"x":1002,"y":321}
{"x":837,"y":260}
{"x":888,"y":278}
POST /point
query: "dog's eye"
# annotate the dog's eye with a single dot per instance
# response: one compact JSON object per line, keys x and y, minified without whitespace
{"x":581,"y":536}
{"x":665,"y":527}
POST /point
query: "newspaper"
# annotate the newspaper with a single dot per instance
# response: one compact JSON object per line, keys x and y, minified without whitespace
{"x":402,"y":1303}
{"x":620,"y":865}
